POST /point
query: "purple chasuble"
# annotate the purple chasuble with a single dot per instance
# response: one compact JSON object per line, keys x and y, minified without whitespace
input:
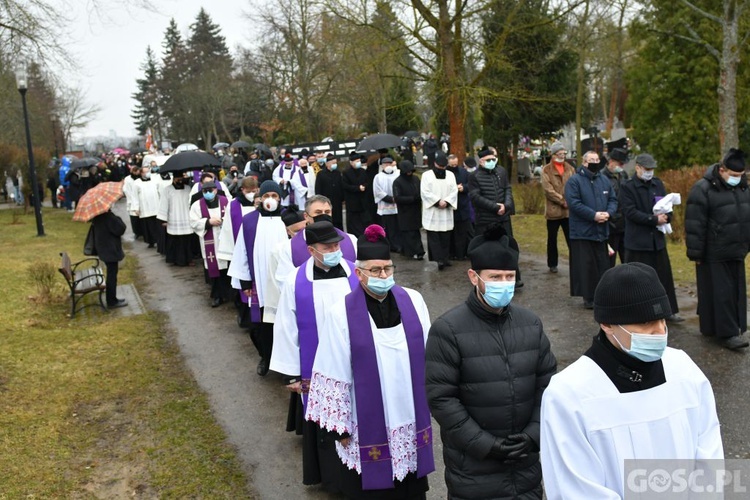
{"x":307,"y":325}
{"x":249,"y":230}
{"x":208,"y":241}
{"x":300,"y":253}
{"x":374,"y":451}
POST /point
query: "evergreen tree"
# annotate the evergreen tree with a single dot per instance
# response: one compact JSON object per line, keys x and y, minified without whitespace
{"x":530,"y":81}
{"x":147,"y":113}
{"x":171,"y":87}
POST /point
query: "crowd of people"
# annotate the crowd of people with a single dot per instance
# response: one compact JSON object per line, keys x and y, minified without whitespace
{"x":366,"y":368}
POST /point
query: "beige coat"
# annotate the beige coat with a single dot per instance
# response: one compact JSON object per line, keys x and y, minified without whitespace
{"x":554,"y":190}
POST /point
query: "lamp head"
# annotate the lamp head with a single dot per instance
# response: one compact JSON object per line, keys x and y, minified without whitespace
{"x":22,"y":77}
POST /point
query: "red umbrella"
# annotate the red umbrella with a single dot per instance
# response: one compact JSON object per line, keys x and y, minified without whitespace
{"x":97,"y":200}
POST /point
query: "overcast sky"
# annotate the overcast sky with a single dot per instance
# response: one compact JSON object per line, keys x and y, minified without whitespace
{"x":110,"y":48}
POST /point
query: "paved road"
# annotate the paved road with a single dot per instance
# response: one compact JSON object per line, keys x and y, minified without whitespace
{"x":252,"y":409}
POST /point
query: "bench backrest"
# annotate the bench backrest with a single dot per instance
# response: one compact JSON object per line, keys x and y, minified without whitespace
{"x":65,"y":267}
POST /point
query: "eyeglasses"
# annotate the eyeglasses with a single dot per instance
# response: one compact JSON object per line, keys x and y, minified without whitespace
{"x":377,"y":271}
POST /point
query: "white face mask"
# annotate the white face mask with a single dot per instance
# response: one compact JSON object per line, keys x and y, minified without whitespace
{"x":388,"y":170}
{"x":647,"y":175}
{"x":250,"y":196}
{"x":270,"y":204}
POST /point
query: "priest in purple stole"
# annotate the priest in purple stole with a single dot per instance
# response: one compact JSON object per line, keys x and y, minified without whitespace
{"x":322,"y":281}
{"x":262,"y":230}
{"x":368,"y":381}
{"x":206,"y":218}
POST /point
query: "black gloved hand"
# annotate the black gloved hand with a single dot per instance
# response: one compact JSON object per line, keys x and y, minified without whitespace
{"x":525,"y":439}
{"x":503,"y":449}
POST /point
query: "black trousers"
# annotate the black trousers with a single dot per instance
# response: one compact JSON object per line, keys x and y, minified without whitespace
{"x":438,"y":244}
{"x":617,"y":242}
{"x":460,"y":238}
{"x":552,"y":228}
{"x":390,"y":224}
{"x":588,"y":262}
{"x":136,"y":225}
{"x":111,"y":282}
{"x":356,"y":222}
{"x":151,"y":228}
{"x":412,"y":243}
{"x":722,"y":298}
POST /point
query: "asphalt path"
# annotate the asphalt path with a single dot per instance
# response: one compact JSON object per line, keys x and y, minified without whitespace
{"x":252,"y":409}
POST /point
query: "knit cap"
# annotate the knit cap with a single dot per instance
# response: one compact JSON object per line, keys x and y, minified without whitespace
{"x":629,"y":294}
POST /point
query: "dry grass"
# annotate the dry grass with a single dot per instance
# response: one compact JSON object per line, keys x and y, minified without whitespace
{"x":529,"y":197}
{"x":98,"y":406}
{"x":680,"y":181}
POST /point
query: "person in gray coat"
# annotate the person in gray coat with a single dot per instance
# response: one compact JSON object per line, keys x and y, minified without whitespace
{"x":488,"y":364}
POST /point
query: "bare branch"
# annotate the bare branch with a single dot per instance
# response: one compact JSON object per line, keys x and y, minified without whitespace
{"x":702,"y":12}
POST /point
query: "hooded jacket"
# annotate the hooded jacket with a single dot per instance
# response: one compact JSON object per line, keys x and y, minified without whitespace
{"x":717,"y":219}
{"x":485,"y":375}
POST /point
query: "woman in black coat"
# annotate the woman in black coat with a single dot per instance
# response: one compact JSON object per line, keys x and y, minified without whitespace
{"x":409,"y":201}
{"x":108,"y":230}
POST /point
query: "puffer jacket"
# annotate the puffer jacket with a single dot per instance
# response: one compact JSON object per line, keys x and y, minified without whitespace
{"x":717,"y":219}
{"x":485,"y":375}
{"x":487,"y":188}
{"x":586,"y":194}
{"x":554,"y":189}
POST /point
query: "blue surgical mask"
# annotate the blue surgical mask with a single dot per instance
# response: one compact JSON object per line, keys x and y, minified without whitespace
{"x":380,"y":286}
{"x":498,"y":294}
{"x":331,"y":259}
{"x":209,"y":196}
{"x":490,"y":164}
{"x":733,"y":181}
{"x":334,"y":166}
{"x":321,"y":161}
{"x":645,"y":347}
{"x":647,"y":175}
{"x":357,"y":164}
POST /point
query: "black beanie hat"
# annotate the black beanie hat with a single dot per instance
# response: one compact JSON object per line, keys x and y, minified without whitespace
{"x":373,"y":245}
{"x":441,"y":159}
{"x":405,"y":166}
{"x":493,"y":250}
{"x":292,"y":215}
{"x":734,"y":160}
{"x":629,"y":294}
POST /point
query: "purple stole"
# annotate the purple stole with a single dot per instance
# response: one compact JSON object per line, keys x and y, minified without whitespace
{"x":307,"y":325}
{"x":235,"y":210}
{"x":300,"y":253}
{"x":302,"y":179}
{"x":208,"y":244}
{"x":249,"y":229}
{"x":374,"y":451}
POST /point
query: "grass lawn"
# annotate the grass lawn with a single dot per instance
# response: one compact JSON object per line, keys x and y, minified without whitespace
{"x":97,"y":406}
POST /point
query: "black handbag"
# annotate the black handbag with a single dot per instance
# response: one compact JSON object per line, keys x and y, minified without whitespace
{"x":89,"y":248}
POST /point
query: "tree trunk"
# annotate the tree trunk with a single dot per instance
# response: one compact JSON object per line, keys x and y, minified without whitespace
{"x":728,"y":129}
{"x":581,"y":74}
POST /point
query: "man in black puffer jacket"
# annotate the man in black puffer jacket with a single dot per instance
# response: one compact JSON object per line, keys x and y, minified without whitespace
{"x":488,"y":363}
{"x":717,"y":223}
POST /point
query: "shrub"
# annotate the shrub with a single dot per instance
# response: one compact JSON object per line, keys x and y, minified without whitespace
{"x":43,"y":276}
{"x":529,"y":198}
{"x":680,"y":181}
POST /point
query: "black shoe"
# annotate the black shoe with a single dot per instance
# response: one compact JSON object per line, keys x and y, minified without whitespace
{"x":447,"y":263}
{"x":441,"y":266}
{"x":675,"y":319}
{"x":150,"y":246}
{"x":420,"y":257}
{"x":217,"y":302}
{"x":262,"y":369}
{"x":588,"y":304}
{"x":118,"y":304}
{"x":553,"y":270}
{"x":735,"y":343}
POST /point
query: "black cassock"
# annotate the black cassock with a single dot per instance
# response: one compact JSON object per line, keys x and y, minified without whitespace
{"x":328,"y":183}
{"x":722,"y":298}
{"x":407,"y":196}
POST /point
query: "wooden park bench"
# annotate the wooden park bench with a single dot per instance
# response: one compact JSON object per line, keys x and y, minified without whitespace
{"x":82,"y":281}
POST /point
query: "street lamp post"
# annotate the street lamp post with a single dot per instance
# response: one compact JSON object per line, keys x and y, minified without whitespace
{"x":22,"y":84}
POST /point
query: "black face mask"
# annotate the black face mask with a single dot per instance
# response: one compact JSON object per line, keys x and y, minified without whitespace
{"x":323,"y":217}
{"x":594,"y":167}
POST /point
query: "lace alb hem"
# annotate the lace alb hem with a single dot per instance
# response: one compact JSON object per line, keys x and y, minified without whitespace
{"x":402,"y":442}
{"x":329,"y":403}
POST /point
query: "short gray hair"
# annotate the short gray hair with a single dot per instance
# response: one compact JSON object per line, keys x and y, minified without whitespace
{"x":318,"y":198}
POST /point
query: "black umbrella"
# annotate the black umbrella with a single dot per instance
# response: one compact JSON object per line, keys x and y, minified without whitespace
{"x":84,"y":163}
{"x":262,"y":148}
{"x":220,"y":145}
{"x":411,"y":134}
{"x":189,"y":160}
{"x":241,"y":144}
{"x":379,"y":141}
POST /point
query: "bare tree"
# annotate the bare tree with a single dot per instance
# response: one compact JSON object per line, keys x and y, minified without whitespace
{"x":74,"y":112}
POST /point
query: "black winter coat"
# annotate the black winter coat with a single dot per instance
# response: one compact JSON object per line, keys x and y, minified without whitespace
{"x":407,"y":196}
{"x":328,"y":184}
{"x":356,"y":200}
{"x":617,"y":220}
{"x":637,"y":199}
{"x":108,"y":229}
{"x":487,"y":188}
{"x":717,"y":219}
{"x":485,"y":375}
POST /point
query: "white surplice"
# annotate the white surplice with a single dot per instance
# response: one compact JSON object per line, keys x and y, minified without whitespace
{"x":285,"y":357}
{"x":382,"y":186}
{"x":432,"y":191}
{"x":270,"y":232}
{"x":146,"y":199}
{"x":174,"y":209}
{"x":129,"y":192}
{"x":198,"y":223}
{"x":589,"y":428}
{"x":291,"y":176}
{"x":332,"y":401}
{"x":226,"y":244}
